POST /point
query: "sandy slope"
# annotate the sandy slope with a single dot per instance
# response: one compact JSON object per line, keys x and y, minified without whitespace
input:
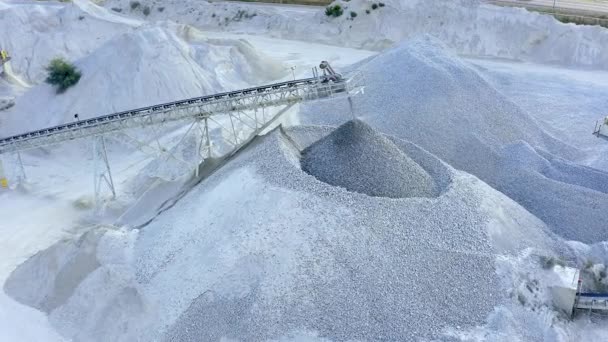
{"x":145,"y":66}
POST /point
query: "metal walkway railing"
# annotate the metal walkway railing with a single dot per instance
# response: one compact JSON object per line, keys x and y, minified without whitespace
{"x":592,"y":301}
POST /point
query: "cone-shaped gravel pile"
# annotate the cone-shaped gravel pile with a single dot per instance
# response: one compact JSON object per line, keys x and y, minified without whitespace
{"x":359,"y":159}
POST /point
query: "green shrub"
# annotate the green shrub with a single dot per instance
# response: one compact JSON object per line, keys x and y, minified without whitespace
{"x":147,"y":11}
{"x":134,"y":4}
{"x":374,"y":6}
{"x":62,"y":74}
{"x":353,"y":14}
{"x":381,"y":4}
{"x":116,"y":9}
{"x":334,"y":11}
{"x":367,"y":11}
{"x":160,"y":9}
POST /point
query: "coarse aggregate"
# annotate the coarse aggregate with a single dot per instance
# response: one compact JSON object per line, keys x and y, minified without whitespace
{"x":439,"y":102}
{"x":368,"y":268}
{"x":360,"y":159}
{"x":263,"y":250}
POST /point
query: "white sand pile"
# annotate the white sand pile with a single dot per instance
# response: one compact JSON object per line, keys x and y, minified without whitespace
{"x":147,"y":66}
{"x":439,"y":102}
{"x":262,"y":250}
{"x":360,"y":159}
{"x":33,"y":34}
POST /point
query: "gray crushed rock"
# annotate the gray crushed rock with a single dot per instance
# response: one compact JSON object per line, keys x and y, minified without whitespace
{"x":360,"y":159}
{"x":570,"y":198}
{"x":439,"y":102}
{"x":369,"y":268}
{"x":262,"y":250}
{"x":277,"y":251}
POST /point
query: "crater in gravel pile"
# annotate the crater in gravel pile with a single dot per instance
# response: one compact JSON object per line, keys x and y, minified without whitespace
{"x":360,"y":159}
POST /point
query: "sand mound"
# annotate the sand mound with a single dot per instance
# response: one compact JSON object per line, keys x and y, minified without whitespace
{"x":147,"y":66}
{"x":360,"y":159}
{"x":35,"y":33}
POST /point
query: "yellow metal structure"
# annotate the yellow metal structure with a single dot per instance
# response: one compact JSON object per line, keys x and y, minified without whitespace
{"x":4,"y":57}
{"x":3,"y":180}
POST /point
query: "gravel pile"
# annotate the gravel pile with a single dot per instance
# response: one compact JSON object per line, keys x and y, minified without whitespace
{"x":419,"y":92}
{"x":354,"y":267}
{"x":570,"y":198}
{"x":262,"y":250}
{"x":359,"y":159}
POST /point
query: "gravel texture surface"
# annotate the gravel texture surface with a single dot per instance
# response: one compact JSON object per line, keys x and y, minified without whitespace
{"x":360,"y":159}
{"x":357,"y":267}
{"x":572,"y":199}
{"x":439,"y":102}
{"x":263,"y":250}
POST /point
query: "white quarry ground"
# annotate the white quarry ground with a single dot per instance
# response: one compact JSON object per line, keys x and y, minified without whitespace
{"x":262,"y":250}
{"x":466,"y":26}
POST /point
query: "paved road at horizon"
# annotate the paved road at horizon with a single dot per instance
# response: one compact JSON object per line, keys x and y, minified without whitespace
{"x":596,"y":6}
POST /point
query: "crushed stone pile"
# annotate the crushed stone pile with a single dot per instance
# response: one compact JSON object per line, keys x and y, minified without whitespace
{"x":439,"y":102}
{"x":360,"y":159}
{"x":572,"y":199}
{"x":263,"y":251}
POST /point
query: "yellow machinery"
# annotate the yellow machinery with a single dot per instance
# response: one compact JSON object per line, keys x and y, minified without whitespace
{"x":4,"y":57}
{"x":3,"y":180}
